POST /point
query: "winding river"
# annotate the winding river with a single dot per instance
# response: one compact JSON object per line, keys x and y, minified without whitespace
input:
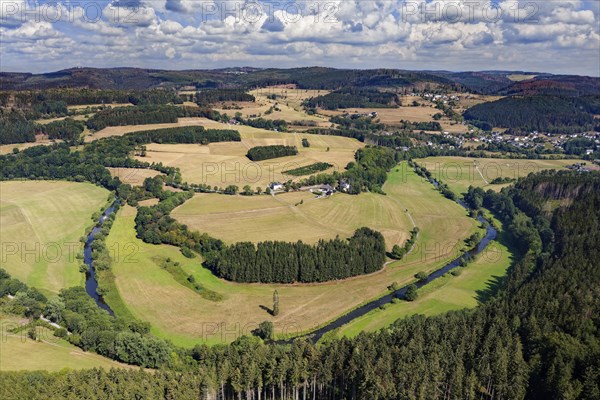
{"x":400,"y":293}
{"x":91,"y":283}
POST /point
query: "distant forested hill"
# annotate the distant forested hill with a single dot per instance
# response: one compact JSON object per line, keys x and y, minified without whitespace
{"x":487,"y":82}
{"x":555,"y":85}
{"x":140,"y":79}
{"x":542,"y":113}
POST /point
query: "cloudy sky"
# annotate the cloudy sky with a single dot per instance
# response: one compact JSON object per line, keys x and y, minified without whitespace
{"x":544,"y":35}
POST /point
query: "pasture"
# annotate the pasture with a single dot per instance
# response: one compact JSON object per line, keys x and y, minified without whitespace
{"x":41,"y":224}
{"x":180,"y":314}
{"x":391,"y":116}
{"x":133,"y":176}
{"x":280,"y":109}
{"x":461,"y":172}
{"x":223,"y":164}
{"x":48,"y":120}
{"x":447,"y":293}
{"x":41,"y":140}
{"x":18,"y":352}
{"x":282,"y":217}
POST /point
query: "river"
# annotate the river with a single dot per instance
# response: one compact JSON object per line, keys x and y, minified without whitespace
{"x":91,"y":283}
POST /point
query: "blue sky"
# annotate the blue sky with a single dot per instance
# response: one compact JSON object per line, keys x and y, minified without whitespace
{"x":549,"y":36}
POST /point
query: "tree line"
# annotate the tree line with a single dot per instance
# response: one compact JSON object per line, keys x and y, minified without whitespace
{"x":283,"y":262}
{"x":185,"y":134}
{"x":120,"y":116}
{"x":308,"y":169}
{"x":260,"y":153}
{"x":354,"y":98}
{"x":83,"y":96}
{"x":207,"y":97}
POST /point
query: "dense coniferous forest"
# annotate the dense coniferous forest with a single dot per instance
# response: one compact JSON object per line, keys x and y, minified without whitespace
{"x":282,"y":262}
{"x":185,"y":134}
{"x":260,"y":153}
{"x":82,"y":96}
{"x":15,"y":128}
{"x":537,"y":113}
{"x":211,"y":96}
{"x":119,"y":116}
{"x":537,"y":338}
{"x":354,"y":98}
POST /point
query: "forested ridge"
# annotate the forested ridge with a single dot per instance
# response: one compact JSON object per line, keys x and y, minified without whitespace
{"x":537,"y":113}
{"x":538,"y":338}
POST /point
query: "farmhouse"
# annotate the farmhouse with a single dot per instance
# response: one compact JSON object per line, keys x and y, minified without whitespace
{"x":276,"y":186}
{"x":327,"y":189}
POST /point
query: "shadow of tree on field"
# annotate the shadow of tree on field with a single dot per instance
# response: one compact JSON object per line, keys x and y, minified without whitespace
{"x":267,"y":309}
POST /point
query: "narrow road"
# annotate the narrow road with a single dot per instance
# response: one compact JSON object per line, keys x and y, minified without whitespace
{"x":480,"y":174}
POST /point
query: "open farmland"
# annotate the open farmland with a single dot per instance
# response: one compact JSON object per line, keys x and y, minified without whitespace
{"x":461,"y":172}
{"x":282,"y":217}
{"x":182,"y":315}
{"x":18,"y":352}
{"x":225,"y":163}
{"x":41,"y":224}
{"x":288,"y":94}
{"x":286,"y":112}
{"x":393,"y":116}
{"x":390,"y":116}
{"x":288,"y":99}
{"x":48,"y":120}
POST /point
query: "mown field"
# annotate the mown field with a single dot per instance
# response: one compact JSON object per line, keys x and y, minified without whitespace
{"x":288,"y":101}
{"x":18,"y":352}
{"x":8,"y":148}
{"x":282,"y":217}
{"x":391,"y":116}
{"x":223,"y":164}
{"x":461,"y":172}
{"x":467,"y":290}
{"x":41,"y":223}
{"x":185,"y":317}
{"x":133,"y":176}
